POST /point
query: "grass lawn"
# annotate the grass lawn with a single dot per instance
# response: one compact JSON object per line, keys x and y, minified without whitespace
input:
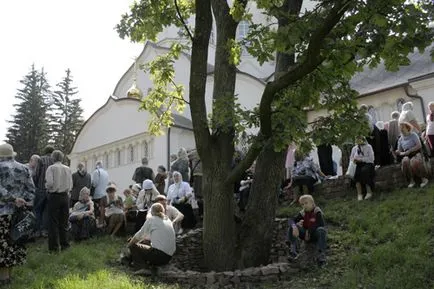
{"x":384,"y":243}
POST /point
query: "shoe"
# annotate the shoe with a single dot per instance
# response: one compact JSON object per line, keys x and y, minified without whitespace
{"x":293,"y":256}
{"x":359,"y":197}
{"x":411,"y":185}
{"x":368,"y":196}
{"x":321,"y":260}
{"x":424,"y":182}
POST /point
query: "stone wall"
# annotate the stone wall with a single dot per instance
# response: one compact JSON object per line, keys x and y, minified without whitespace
{"x":387,"y":178}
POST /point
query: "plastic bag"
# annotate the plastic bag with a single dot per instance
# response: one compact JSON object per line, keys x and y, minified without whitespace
{"x":351,"y":171}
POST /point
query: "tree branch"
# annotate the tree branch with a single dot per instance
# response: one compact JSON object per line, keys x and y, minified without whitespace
{"x":313,"y":60}
{"x":198,"y":75}
{"x":182,"y":20}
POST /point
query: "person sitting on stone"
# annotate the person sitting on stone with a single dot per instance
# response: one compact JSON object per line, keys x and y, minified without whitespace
{"x":180,"y":195}
{"x":309,"y":226}
{"x":171,"y":212}
{"x":409,"y":150}
{"x":158,"y":229}
{"x":114,"y":212}
{"x":305,"y":173}
{"x":82,"y":216}
{"x":362,"y":155}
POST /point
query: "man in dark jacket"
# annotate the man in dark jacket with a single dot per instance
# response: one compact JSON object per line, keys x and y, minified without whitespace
{"x":40,"y":201}
{"x":80,"y":179}
{"x":143,"y":172}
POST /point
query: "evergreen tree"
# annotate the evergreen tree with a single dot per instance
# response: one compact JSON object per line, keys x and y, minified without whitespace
{"x":66,"y":114}
{"x":29,"y":131}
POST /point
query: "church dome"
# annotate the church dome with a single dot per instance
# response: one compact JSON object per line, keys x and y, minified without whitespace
{"x":134,"y":92}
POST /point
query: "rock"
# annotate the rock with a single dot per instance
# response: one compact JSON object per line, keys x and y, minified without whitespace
{"x":210,"y":278}
{"x":270,"y":270}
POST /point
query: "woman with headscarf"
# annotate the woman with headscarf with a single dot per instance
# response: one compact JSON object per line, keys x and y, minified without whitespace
{"x":16,"y":192}
{"x":180,"y":195}
{"x":362,"y":155}
{"x":144,"y":202}
{"x":409,"y":149}
{"x":181,"y":164}
{"x":82,"y":216}
{"x":407,"y":115}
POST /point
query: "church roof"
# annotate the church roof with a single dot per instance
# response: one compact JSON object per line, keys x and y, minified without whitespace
{"x":372,"y":80}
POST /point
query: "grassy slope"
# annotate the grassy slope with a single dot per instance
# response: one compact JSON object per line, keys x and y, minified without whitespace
{"x":384,"y":243}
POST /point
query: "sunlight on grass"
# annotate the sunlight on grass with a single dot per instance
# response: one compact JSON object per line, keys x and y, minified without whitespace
{"x":100,"y":279}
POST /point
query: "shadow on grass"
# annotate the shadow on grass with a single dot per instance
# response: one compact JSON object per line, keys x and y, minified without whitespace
{"x":88,"y":265}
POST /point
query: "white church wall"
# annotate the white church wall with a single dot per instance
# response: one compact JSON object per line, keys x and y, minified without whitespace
{"x":181,"y":138}
{"x":425,"y":89}
{"x":114,"y":121}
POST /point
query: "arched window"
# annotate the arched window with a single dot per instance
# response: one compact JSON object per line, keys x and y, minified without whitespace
{"x":243,"y":30}
{"x":145,"y":148}
{"x":118,"y":157}
{"x":130,"y":154}
{"x":106,"y":160}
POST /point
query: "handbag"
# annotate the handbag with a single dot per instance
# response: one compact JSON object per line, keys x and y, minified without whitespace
{"x":22,"y":225}
{"x":351,"y":171}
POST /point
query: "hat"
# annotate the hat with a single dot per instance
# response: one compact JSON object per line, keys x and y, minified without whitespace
{"x":147,"y":185}
{"x":6,"y":150}
{"x":136,"y":188}
{"x":111,"y":187}
{"x":160,"y":197}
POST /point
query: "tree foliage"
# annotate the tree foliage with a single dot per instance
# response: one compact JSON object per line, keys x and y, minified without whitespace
{"x":29,"y":131}
{"x":317,"y":52}
{"x":66,"y":114}
{"x":44,"y":117}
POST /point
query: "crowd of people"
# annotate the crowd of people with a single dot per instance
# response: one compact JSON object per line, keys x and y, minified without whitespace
{"x":168,"y":203}
{"x":78,"y":205}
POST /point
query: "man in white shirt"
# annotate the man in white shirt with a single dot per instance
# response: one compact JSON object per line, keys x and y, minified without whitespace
{"x":159,"y":230}
{"x":58,"y":181}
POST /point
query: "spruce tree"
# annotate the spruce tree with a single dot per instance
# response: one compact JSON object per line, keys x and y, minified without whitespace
{"x":66,"y":114}
{"x":29,"y":131}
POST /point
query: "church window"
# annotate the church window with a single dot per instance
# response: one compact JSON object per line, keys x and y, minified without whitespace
{"x":243,"y":29}
{"x":145,"y":149}
{"x":106,"y":160}
{"x":130,"y":153}
{"x":118,"y":157}
{"x":373,"y":112}
{"x":399,"y":104}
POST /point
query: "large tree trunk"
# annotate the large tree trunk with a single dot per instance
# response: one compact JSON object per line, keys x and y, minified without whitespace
{"x":257,"y":228}
{"x":219,"y":226}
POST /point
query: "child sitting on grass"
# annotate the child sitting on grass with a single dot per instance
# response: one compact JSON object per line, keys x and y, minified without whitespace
{"x":308,"y":225}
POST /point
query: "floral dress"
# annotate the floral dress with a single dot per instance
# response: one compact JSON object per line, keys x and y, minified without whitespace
{"x":15,"y":182}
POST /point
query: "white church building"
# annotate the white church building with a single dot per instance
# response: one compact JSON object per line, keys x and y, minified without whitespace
{"x":117,"y":133}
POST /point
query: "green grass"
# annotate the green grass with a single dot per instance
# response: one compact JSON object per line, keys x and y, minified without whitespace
{"x":384,"y":243}
{"x":88,"y":265}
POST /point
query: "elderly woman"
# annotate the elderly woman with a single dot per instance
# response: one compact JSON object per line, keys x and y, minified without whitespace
{"x":144,"y":201}
{"x":159,"y":230}
{"x":16,"y":190}
{"x":409,"y":149}
{"x":114,"y":211}
{"x":181,"y":164}
{"x":407,"y":115}
{"x":362,"y":155}
{"x":305,"y":173}
{"x":82,"y":216}
{"x":180,"y":195}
